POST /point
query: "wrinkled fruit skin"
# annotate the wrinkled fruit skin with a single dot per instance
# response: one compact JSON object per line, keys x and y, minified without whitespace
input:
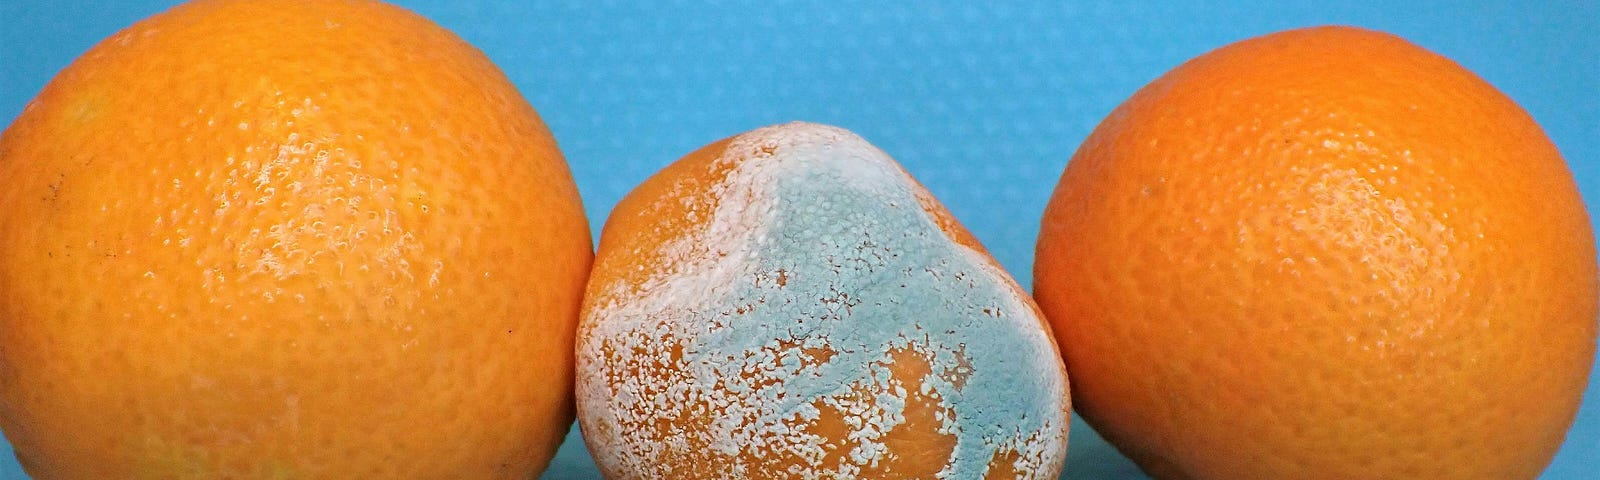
{"x":789,"y":303}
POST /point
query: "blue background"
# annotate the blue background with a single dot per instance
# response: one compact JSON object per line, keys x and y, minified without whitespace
{"x":982,"y":102}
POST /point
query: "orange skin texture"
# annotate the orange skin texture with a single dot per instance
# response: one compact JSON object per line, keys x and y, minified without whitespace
{"x":660,"y":210}
{"x":286,"y":239}
{"x":1322,"y":253}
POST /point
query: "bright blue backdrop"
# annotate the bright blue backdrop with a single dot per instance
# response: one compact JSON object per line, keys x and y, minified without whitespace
{"x":982,"y":101}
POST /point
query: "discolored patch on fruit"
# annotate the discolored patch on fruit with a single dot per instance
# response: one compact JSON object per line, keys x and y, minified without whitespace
{"x":820,"y":322}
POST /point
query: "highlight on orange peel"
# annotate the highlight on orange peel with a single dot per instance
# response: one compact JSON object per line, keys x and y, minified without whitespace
{"x":286,"y":239}
{"x":1322,"y":253}
{"x":790,"y":303}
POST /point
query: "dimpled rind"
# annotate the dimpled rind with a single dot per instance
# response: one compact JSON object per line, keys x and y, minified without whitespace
{"x":286,"y":239}
{"x":819,"y":323}
{"x":1323,"y":253}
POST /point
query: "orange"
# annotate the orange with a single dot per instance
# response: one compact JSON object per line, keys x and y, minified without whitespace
{"x":790,"y":303}
{"x":1322,"y":253}
{"x":286,"y":239}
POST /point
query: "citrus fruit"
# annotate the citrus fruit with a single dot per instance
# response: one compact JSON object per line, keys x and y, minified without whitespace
{"x":286,"y":239}
{"x":1322,"y":253}
{"x":790,"y":303}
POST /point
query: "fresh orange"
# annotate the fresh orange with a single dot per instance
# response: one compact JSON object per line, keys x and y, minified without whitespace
{"x":790,"y":303}
{"x":1322,"y":253}
{"x":286,"y":239}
